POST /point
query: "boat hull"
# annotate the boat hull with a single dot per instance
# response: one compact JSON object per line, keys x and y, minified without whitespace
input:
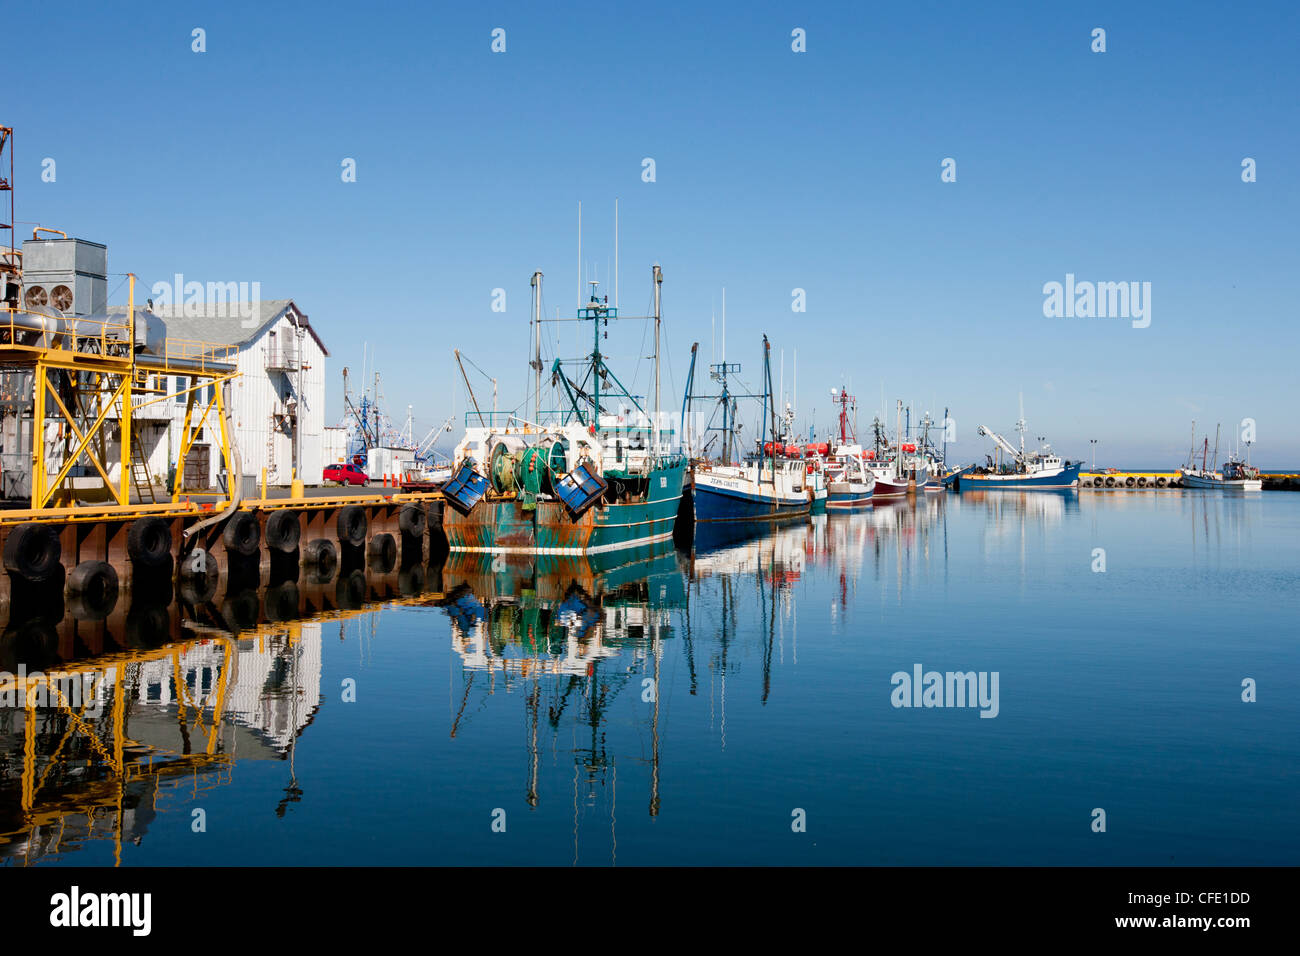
{"x":504,"y":526}
{"x":848,"y":495}
{"x":950,"y":479}
{"x":1220,"y":484}
{"x":891,"y":487}
{"x":1065,"y":478}
{"x":722,"y":499}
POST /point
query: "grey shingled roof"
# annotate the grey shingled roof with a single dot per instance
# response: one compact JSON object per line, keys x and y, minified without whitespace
{"x":224,"y":324}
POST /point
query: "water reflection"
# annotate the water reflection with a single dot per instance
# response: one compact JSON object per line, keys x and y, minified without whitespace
{"x":88,"y":747}
{"x":107,"y":721}
{"x":561,"y":672}
{"x":111,"y":720}
{"x":569,"y":635}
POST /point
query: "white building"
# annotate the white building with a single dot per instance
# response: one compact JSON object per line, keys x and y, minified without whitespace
{"x":280,"y":387}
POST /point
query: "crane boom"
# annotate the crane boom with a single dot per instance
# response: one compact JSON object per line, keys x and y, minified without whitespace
{"x":432,"y":436}
{"x":468,"y":386}
{"x":1002,"y":443}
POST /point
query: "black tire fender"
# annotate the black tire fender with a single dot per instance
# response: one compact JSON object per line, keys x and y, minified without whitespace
{"x":413,"y":520}
{"x":242,"y":533}
{"x":321,"y":554}
{"x":92,"y":590}
{"x":33,"y":551}
{"x":149,"y":542}
{"x":382,"y":551}
{"x":352,"y":525}
{"x":283,"y":531}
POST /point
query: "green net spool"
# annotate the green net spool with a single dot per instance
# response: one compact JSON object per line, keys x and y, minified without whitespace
{"x":501,"y":470}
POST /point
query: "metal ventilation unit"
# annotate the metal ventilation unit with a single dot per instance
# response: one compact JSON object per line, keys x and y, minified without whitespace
{"x":70,"y":275}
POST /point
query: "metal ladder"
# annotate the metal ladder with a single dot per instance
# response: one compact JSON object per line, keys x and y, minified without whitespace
{"x":140,"y":477}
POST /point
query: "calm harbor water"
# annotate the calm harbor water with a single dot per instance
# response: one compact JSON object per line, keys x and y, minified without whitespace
{"x":696,"y":704}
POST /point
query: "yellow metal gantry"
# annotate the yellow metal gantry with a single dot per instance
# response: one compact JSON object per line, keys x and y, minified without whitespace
{"x":86,"y":375}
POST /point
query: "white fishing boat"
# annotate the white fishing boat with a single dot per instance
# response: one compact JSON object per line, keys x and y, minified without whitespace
{"x":770,"y":484}
{"x":890,"y":464}
{"x":1236,"y":475}
{"x":1040,"y":470}
{"x":850,"y":483}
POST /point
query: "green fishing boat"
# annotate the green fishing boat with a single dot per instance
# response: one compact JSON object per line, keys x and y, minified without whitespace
{"x":598,"y":474}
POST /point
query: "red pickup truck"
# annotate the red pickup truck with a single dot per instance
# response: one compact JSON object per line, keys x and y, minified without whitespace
{"x":345,"y":473}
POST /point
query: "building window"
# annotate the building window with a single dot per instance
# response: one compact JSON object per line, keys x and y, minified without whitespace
{"x":181,"y":382}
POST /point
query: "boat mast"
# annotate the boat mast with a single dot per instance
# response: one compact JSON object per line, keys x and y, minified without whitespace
{"x":945,"y":437}
{"x":727,"y":424}
{"x":1216,"y":444}
{"x":658,"y":277}
{"x":898,"y":431}
{"x":537,"y":346}
{"x":595,"y":362}
{"x":1020,"y":426}
{"x":767,"y":380}
{"x":726,"y":419}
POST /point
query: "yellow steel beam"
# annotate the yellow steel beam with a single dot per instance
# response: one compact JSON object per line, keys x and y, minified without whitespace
{"x":185,"y":447}
{"x":212,"y":379}
{"x":124,"y":421}
{"x":77,"y":361}
{"x":182,"y":509}
{"x":38,"y":435}
{"x":82,"y":447}
{"x":219,"y":402}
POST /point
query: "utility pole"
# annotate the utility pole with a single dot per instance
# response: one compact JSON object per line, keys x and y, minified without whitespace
{"x":301,"y":409}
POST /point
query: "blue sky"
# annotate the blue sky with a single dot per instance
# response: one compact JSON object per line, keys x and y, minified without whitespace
{"x":775,"y":170}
